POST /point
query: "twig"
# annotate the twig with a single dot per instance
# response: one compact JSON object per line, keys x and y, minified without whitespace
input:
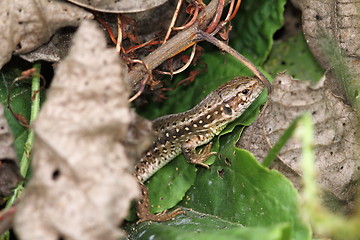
{"x":176,"y":44}
{"x":231,"y":8}
{"x":217,"y":16}
{"x":141,"y":90}
{"x":148,"y":43}
{"x":108,"y":29}
{"x":236,"y":10}
{"x":173,"y":20}
{"x":119,"y":38}
{"x":187,"y":38}
{"x":191,"y":22}
{"x":231,"y":14}
{"x":143,"y":83}
{"x":183,"y":68}
{"x":223,"y":46}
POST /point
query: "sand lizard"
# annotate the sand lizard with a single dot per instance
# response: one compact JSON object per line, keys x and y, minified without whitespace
{"x":183,"y":132}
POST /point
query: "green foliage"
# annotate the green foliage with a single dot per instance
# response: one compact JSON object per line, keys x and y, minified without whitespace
{"x":254,"y":27}
{"x":237,"y":188}
{"x":324,"y":222}
{"x":237,"y":198}
{"x":270,"y":157}
{"x":252,"y":36}
{"x":23,"y":147}
{"x":199,"y":226}
{"x":293,"y":56}
{"x":178,"y":176}
{"x":20,"y":99}
{"x":221,"y":68}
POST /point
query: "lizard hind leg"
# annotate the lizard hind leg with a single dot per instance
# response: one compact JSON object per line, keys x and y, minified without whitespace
{"x":143,"y":209}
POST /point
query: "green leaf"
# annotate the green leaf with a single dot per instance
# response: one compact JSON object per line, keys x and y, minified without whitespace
{"x":20,"y":99}
{"x":293,"y":55}
{"x":254,"y":27}
{"x":169,"y":185}
{"x":238,"y":189}
{"x":199,"y":226}
{"x":230,"y":193}
{"x":288,"y":133}
{"x":221,"y":69}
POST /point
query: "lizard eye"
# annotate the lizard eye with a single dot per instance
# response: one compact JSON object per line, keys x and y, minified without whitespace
{"x":227,"y":110}
{"x":245,"y":91}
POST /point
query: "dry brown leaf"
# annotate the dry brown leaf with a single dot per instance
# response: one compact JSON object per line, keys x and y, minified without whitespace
{"x":338,"y":19}
{"x":82,"y":185}
{"x":54,"y":50}
{"x":9,"y":170}
{"x":144,"y":25}
{"x":119,"y":6}
{"x":336,"y":147}
{"x":27,"y":24}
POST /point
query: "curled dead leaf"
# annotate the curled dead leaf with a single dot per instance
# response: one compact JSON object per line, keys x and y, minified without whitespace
{"x":137,"y":26}
{"x":81,"y":185}
{"x":336,"y":148}
{"x":116,"y":6}
{"x":338,"y":20}
{"x":27,"y":24}
{"x":54,"y":50}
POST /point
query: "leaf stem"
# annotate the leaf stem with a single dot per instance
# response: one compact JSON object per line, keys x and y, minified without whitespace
{"x":275,"y":150}
{"x":25,"y":160}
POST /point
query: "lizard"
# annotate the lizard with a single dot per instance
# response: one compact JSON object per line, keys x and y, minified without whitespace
{"x":184,"y":132}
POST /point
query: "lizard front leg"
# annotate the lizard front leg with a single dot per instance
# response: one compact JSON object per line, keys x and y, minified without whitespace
{"x":189,"y":151}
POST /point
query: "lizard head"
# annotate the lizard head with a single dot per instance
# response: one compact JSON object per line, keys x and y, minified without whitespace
{"x":237,"y":95}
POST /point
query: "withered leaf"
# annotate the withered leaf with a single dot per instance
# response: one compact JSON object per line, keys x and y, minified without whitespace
{"x":27,"y":24}
{"x":119,"y":6}
{"x":54,"y":50}
{"x":338,"y":19}
{"x":9,"y":170}
{"x":336,"y":146}
{"x":81,"y":186}
{"x":145,"y":25}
